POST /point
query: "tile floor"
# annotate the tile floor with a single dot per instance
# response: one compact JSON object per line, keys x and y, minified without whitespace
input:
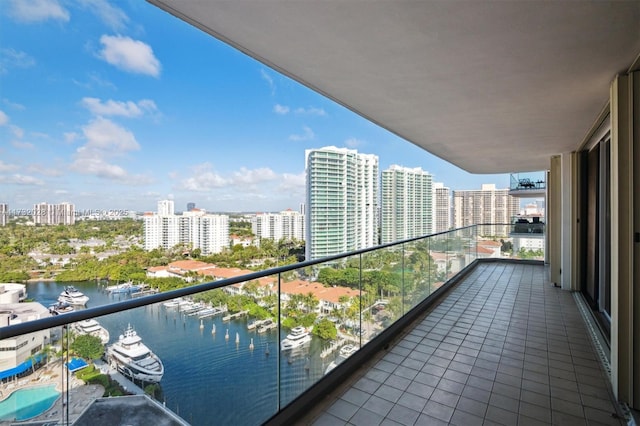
{"x":504,"y":347}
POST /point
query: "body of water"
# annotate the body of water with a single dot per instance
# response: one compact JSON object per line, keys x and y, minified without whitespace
{"x":208,"y":379}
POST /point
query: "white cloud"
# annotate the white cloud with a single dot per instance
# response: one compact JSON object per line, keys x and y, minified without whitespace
{"x":266,"y":77}
{"x":311,"y":111}
{"x":105,"y":140}
{"x":42,"y":170}
{"x":22,"y":145}
{"x":103,"y":134}
{"x":4,"y":119}
{"x":19,"y":179}
{"x":281,"y":109}
{"x":306,"y":136}
{"x":353,"y":143}
{"x":17,"y":131}
{"x":70,"y":137}
{"x":245,"y":176}
{"x":129,"y":55}
{"x":13,"y":105}
{"x":38,"y":10}
{"x":4,"y":167}
{"x":112,"y":16}
{"x":11,"y":58}
{"x":204,"y":179}
{"x":292,"y":182}
{"x":124,"y":109}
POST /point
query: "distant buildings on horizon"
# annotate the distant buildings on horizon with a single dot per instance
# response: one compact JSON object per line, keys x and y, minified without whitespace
{"x":349,"y":205}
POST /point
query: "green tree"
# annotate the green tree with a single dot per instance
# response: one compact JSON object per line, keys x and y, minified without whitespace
{"x":87,"y":346}
{"x":325,"y":329}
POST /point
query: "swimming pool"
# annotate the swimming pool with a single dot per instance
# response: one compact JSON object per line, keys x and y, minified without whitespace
{"x":27,"y":403}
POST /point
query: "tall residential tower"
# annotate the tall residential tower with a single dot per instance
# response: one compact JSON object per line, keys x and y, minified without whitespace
{"x":441,"y":207}
{"x":342,"y":201}
{"x":487,"y":205}
{"x":406,"y":203}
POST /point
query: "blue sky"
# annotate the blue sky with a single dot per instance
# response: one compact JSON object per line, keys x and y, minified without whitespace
{"x":99,"y":107}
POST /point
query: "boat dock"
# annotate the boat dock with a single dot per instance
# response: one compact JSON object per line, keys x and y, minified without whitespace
{"x":234,"y":316}
{"x":332,"y":348}
{"x":144,"y":292}
{"x":267,"y":325}
{"x":212,"y":312}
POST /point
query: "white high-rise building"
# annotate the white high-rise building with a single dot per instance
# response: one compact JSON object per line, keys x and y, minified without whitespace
{"x":4,"y":214}
{"x":207,"y":232}
{"x":441,"y":208}
{"x":287,"y":224}
{"x":166,"y":208}
{"x":406,"y":203}
{"x":54,"y":214}
{"x":342,"y":201}
{"x":485,"y":206}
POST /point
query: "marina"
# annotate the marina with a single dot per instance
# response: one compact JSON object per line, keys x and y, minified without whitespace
{"x":193,"y":357}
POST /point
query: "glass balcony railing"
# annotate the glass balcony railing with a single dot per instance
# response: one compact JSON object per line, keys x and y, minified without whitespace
{"x":237,"y":350}
{"x":532,"y":181}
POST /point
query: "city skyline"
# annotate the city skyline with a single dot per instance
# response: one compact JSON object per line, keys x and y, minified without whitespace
{"x":107,"y":114}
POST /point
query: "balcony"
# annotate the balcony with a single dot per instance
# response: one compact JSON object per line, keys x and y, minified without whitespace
{"x":485,"y":332}
{"x":527,"y":185}
{"x":503,"y":347}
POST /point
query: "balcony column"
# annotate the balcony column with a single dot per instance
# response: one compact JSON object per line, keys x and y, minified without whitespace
{"x":625,"y":247}
{"x":554,"y":217}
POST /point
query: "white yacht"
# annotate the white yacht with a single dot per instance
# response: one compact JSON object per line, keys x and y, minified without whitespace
{"x":73,"y":296}
{"x":92,"y":327}
{"x":297,"y":337}
{"x":345,"y":352}
{"x":59,"y":308}
{"x":133,"y":359}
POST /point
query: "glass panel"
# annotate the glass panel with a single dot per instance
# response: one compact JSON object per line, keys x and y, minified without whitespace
{"x":419,"y":272}
{"x":382,"y":278}
{"x":456,"y":253}
{"x":320,"y":314}
{"x":208,"y":346}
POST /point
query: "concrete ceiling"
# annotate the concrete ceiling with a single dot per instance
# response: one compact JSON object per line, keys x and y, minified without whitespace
{"x":490,"y":86}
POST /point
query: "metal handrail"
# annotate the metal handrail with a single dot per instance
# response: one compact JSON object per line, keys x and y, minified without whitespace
{"x":98,"y":311}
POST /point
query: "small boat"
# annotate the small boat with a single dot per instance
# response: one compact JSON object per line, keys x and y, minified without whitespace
{"x":73,"y":296}
{"x":267,"y":325}
{"x":92,"y":327}
{"x":124,"y":288}
{"x":60,"y":308}
{"x":298,"y":336}
{"x":174,"y":303}
{"x":345,"y":352}
{"x":134,"y":359}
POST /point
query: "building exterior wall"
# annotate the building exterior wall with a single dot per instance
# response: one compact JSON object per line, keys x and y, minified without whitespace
{"x":487,"y":205}
{"x":287,"y":224}
{"x":441,"y":208}
{"x":209,"y":233}
{"x":4,"y":214}
{"x":407,"y":204}
{"x":342,"y":201}
{"x":54,"y":214}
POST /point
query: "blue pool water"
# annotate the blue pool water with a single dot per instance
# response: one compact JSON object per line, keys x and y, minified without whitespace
{"x":27,"y":403}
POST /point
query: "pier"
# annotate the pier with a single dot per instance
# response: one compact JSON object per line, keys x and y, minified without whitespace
{"x":234,"y":316}
{"x":335,"y":344}
{"x":144,"y":292}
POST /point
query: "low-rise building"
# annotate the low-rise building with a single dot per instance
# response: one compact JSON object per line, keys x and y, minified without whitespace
{"x":18,"y":354}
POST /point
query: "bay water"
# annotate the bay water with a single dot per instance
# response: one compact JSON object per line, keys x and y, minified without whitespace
{"x":208,"y":379}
